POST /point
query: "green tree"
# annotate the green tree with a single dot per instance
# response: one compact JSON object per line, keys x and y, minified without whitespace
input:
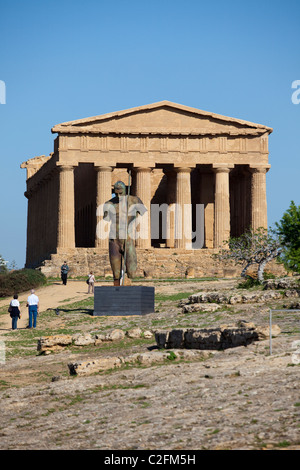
{"x":3,"y":267}
{"x":254,"y":247}
{"x":288,"y":230}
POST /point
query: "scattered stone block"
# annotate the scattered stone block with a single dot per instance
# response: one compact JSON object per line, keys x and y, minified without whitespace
{"x":83,"y":339}
{"x":89,"y":367}
{"x":209,"y":297}
{"x":99,"y":338}
{"x":149,"y":358}
{"x":47,"y":344}
{"x":206,"y":339}
{"x":115,"y":335}
{"x":148,"y":334}
{"x":95,"y":365}
{"x":292,"y":293}
{"x":190,"y":272}
{"x":232,"y":298}
{"x":246,"y":324}
{"x":295,"y":305}
{"x":235,"y":299}
{"x":134,"y":333}
{"x":283,"y":283}
{"x":264,"y":331}
{"x":200,"y":308}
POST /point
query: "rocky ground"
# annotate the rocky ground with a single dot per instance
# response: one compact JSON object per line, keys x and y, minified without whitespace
{"x":239,"y":398}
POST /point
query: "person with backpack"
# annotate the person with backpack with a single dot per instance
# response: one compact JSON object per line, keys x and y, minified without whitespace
{"x":91,"y":282}
{"x":14,"y":311}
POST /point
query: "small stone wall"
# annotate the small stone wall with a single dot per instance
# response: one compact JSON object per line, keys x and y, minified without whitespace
{"x":92,"y":366}
{"x":215,"y":338}
{"x":54,"y":343}
{"x":273,"y":290}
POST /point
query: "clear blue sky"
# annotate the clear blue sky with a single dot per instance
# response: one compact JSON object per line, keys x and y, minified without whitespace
{"x":69,"y":59}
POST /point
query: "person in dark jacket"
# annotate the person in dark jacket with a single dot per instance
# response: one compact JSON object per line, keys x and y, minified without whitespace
{"x":64,"y":273}
{"x":14,"y":310}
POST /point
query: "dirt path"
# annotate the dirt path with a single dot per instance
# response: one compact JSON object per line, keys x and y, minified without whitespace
{"x":56,"y":294}
{"x":50,"y":297}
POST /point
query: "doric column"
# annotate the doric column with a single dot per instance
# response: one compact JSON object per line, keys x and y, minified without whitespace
{"x":143,"y":191}
{"x":28,"y":194}
{"x":183,"y":212}
{"x":171,"y":200}
{"x":207,"y":198}
{"x":103,"y":195}
{"x":222,"y":208}
{"x":66,"y":208}
{"x":259,"y":197}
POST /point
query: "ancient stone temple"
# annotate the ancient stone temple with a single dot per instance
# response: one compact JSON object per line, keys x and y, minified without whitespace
{"x":179,"y":157}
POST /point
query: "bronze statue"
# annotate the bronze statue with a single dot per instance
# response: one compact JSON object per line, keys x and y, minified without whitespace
{"x":122,"y":211}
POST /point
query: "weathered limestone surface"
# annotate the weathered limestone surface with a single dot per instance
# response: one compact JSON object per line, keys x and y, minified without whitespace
{"x":284,"y":283}
{"x":237,"y":398}
{"x":54,"y":342}
{"x":152,"y":263}
{"x":235,"y":298}
{"x":211,"y":339}
{"x":95,"y":365}
{"x":84,"y":368}
{"x":48,"y":344}
{"x":214,"y":339}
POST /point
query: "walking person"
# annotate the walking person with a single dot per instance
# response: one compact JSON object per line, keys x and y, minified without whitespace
{"x":33,"y":309}
{"x":91,"y":282}
{"x":14,"y":311}
{"x":64,"y":273}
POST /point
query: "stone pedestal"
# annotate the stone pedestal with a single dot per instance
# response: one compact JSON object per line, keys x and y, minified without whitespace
{"x":123,"y":300}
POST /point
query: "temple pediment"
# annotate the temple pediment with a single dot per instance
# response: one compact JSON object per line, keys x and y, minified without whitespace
{"x":163,"y":117}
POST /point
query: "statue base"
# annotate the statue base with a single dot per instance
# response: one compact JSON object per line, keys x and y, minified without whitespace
{"x":123,"y":300}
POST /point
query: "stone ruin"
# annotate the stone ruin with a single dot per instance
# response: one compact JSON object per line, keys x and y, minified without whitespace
{"x":186,"y":345}
{"x":220,"y":338}
{"x":274,"y":289}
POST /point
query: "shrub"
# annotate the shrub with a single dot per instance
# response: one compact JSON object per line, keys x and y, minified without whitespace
{"x":20,"y":281}
{"x":288,"y":230}
{"x":251,"y":281}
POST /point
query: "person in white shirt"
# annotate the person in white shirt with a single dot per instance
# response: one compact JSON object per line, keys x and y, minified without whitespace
{"x":14,"y":311}
{"x":91,"y":282}
{"x":33,"y":309}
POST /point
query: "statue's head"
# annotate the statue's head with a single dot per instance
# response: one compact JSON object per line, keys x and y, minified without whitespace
{"x":120,"y":188}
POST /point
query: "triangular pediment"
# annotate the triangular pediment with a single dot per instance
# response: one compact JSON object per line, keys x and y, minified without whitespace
{"x":163,"y":117}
